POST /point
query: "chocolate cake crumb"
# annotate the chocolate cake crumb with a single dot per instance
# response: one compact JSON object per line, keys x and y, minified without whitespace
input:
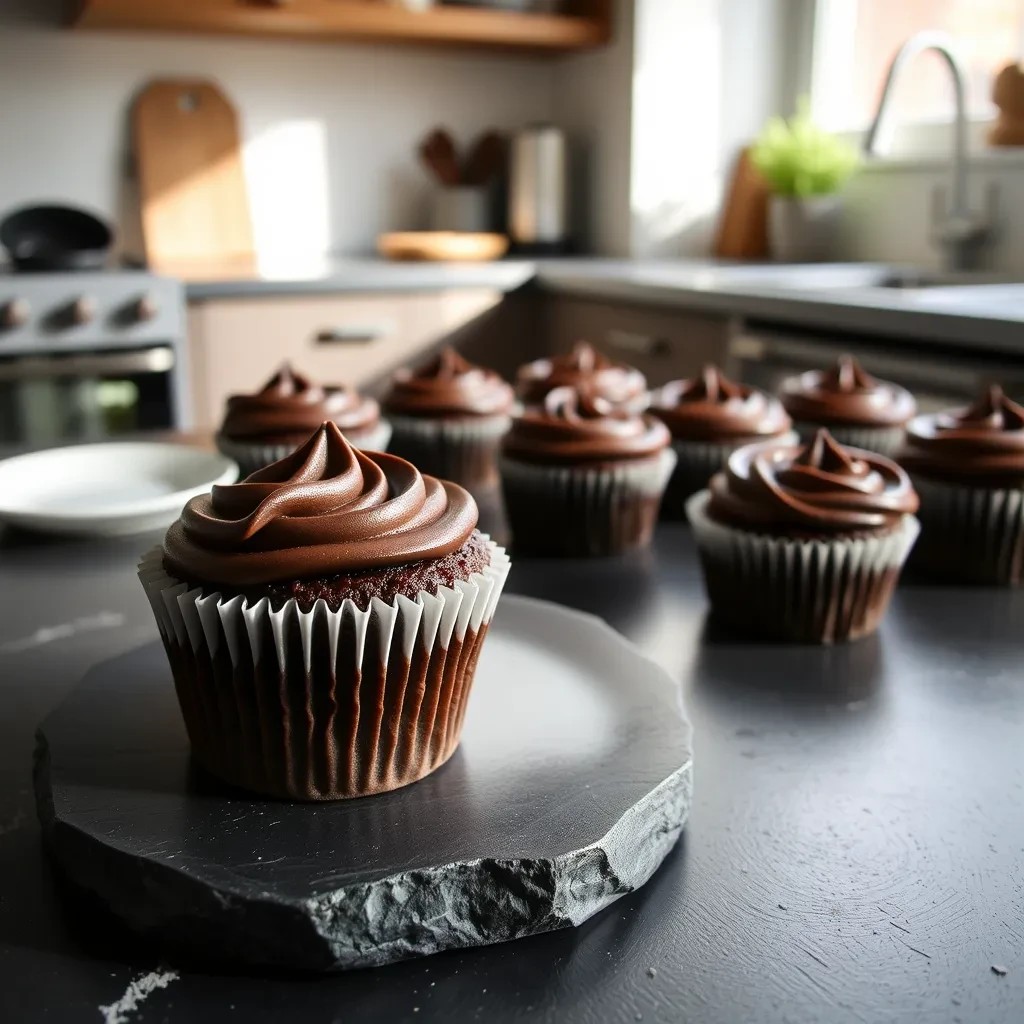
{"x":362,"y":586}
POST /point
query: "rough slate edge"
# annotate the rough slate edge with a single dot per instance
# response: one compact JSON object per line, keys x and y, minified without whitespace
{"x":514,"y":899}
{"x":510,"y":898}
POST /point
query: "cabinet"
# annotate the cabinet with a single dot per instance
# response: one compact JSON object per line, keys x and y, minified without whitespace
{"x":235,"y":344}
{"x":663,"y":344}
{"x":584,"y":23}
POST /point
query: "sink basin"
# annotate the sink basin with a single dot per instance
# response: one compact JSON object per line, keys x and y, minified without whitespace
{"x":850,"y":276}
{"x":915,"y":279}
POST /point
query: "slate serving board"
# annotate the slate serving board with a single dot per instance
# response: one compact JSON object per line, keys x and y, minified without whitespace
{"x":571,"y":785}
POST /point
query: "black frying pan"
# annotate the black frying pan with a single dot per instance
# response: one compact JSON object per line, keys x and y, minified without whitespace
{"x":55,"y":238}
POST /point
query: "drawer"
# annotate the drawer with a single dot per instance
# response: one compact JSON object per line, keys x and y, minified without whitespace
{"x":235,"y":345}
{"x":662,"y":345}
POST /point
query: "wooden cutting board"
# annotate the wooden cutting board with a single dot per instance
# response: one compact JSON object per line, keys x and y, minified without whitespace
{"x":194,"y":206}
{"x":743,"y":225}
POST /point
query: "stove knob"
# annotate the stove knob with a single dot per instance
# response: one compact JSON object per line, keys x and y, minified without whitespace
{"x":82,"y":310}
{"x":14,"y":313}
{"x":145,"y":308}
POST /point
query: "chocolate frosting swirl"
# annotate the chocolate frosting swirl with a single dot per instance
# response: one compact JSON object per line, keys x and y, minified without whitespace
{"x":819,"y":487}
{"x":713,"y":408}
{"x":846,"y":395}
{"x":584,"y":366}
{"x":982,"y":443}
{"x":325,"y":509}
{"x":576,"y":426}
{"x":290,"y":405}
{"x":450,"y":386}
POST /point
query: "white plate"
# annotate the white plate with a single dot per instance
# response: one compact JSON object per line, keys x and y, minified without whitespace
{"x":107,"y":489}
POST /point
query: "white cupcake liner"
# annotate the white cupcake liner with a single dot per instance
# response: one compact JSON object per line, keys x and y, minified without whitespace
{"x":251,"y":457}
{"x":812,"y":591}
{"x":464,"y":450}
{"x":697,"y":462}
{"x":885,"y":441}
{"x":568,"y":510}
{"x":970,"y":534}
{"x":323,"y":705}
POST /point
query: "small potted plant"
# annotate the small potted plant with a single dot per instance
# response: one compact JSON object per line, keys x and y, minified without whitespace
{"x":805,"y":168}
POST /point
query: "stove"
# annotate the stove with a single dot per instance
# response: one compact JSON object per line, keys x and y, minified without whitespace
{"x":87,"y":355}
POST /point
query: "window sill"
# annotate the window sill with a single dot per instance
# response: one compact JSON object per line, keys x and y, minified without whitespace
{"x":991,"y":158}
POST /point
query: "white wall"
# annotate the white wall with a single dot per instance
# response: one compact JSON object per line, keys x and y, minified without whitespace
{"x":707,"y":76}
{"x":330,"y":129}
{"x":657,"y":117}
{"x":888,"y":210}
{"x":593,"y":102}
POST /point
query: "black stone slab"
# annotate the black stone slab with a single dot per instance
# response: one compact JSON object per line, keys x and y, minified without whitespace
{"x":571,"y":785}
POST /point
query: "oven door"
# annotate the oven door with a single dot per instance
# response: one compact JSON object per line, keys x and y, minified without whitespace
{"x":937,"y":377}
{"x":85,"y":396}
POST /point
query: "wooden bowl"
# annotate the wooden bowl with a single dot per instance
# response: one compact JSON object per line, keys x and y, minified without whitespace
{"x":461,"y":246}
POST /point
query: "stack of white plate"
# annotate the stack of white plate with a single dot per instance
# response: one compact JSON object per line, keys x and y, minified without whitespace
{"x":107,"y":489}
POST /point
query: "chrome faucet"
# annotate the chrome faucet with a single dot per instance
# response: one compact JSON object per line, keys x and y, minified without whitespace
{"x":956,"y":229}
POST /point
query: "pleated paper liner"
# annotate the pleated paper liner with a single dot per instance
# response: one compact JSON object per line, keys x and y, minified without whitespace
{"x":696,"y":463}
{"x":970,"y":534}
{"x":463,"y":450}
{"x":576,"y":511}
{"x":885,"y":441}
{"x":810,"y":591}
{"x":251,"y":457}
{"x":323,"y":705}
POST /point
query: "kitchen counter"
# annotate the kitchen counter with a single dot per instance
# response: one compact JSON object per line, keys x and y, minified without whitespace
{"x":815,"y":297}
{"x":853,"y":852}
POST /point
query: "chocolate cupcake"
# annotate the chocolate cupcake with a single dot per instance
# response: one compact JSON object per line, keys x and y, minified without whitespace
{"x":968,"y":466}
{"x":709,"y":417}
{"x":323,"y":621}
{"x":857,"y":409}
{"x":804,"y":542}
{"x":583,"y":476}
{"x":264,"y":427}
{"x":449,"y":417}
{"x":585,"y":368}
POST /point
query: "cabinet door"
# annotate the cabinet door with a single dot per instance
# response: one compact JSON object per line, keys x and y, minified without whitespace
{"x":663,"y":344}
{"x":236,"y":344}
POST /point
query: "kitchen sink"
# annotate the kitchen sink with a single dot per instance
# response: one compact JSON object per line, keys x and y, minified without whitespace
{"x":914,"y":279}
{"x":853,"y":276}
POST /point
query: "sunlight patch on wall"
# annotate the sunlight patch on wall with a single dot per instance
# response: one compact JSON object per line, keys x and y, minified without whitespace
{"x":287,"y":175}
{"x":677,"y":116}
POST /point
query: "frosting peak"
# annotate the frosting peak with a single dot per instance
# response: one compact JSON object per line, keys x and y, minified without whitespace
{"x":982,"y":443}
{"x":582,"y":367}
{"x":450,"y":385}
{"x":846,"y":395}
{"x":325,"y":509}
{"x":994,"y":411}
{"x":848,"y":375}
{"x":286,"y":382}
{"x":820,"y":487}
{"x":290,"y":406}
{"x":577,"y":425}
{"x":711,"y":407}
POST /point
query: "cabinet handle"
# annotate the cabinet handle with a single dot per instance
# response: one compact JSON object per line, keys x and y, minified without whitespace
{"x":641,"y":344}
{"x":355,"y":335}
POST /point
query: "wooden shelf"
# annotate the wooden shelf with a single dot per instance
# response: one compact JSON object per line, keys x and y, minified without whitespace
{"x":358,"y":20}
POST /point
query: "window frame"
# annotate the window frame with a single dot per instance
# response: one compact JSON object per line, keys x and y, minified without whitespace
{"x":819,"y":22}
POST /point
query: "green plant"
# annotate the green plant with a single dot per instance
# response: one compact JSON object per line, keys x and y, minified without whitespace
{"x":800,"y":159}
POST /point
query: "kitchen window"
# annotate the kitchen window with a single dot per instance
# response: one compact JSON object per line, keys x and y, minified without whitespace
{"x":854,"y":41}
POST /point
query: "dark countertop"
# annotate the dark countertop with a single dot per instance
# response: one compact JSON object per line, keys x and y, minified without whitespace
{"x":855,"y":850}
{"x":843,"y":297}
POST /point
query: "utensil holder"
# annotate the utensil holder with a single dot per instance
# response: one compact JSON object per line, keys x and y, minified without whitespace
{"x":462,"y":208}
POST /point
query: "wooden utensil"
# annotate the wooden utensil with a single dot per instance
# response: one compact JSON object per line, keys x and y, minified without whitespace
{"x":195,"y":211}
{"x":486,"y":159}
{"x":743,"y":225}
{"x":437,"y":151}
{"x":463,"y":246}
